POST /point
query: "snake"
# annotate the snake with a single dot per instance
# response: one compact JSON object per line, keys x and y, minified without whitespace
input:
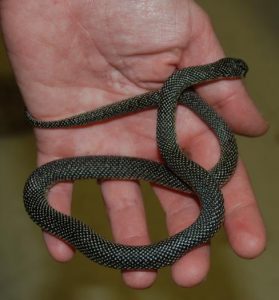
{"x":176,"y":171}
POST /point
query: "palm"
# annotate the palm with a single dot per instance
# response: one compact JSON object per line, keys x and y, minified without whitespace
{"x":79,"y":55}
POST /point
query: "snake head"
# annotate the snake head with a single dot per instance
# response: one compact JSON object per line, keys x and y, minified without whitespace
{"x":235,"y":67}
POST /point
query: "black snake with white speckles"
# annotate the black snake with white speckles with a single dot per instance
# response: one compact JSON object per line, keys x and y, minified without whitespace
{"x":177,"y":172}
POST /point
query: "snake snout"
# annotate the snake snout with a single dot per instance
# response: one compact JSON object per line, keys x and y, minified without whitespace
{"x":237,"y":66}
{"x":241,"y":66}
{"x":232,"y":67}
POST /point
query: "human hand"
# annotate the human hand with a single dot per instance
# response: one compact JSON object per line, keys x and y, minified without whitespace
{"x":74,"y":56}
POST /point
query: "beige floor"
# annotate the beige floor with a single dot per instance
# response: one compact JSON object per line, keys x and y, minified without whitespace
{"x":248,"y":29}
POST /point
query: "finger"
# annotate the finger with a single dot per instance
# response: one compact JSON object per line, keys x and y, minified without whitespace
{"x":228,"y":97}
{"x":243,"y":221}
{"x":181,"y":211}
{"x":127,"y":217}
{"x":59,"y":198}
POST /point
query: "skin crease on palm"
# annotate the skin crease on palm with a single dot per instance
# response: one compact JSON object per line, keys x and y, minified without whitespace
{"x":73,"y":56}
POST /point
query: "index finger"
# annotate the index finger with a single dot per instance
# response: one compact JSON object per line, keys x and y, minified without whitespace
{"x":228,"y":97}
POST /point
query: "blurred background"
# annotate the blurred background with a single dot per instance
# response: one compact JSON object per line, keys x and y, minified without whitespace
{"x":248,"y":29}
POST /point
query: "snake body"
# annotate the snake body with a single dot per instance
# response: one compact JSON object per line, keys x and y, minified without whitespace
{"x":177,"y":172}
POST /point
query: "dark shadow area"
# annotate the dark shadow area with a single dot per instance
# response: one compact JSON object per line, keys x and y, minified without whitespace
{"x":12,"y":117}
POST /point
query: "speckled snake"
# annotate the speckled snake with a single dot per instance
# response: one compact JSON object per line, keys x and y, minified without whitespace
{"x":177,"y":172}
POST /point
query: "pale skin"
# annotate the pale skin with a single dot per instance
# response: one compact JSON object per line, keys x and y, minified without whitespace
{"x":73,"y":56}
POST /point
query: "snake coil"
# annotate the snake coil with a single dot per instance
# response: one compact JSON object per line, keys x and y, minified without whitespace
{"x":177,"y":172}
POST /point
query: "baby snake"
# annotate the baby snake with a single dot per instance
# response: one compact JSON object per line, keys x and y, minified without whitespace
{"x":177,"y":172}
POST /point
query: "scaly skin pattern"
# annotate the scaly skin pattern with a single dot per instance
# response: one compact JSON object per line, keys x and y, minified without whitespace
{"x":178,"y":172}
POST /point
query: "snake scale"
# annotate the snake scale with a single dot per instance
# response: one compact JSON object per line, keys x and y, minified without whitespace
{"x":177,"y":172}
